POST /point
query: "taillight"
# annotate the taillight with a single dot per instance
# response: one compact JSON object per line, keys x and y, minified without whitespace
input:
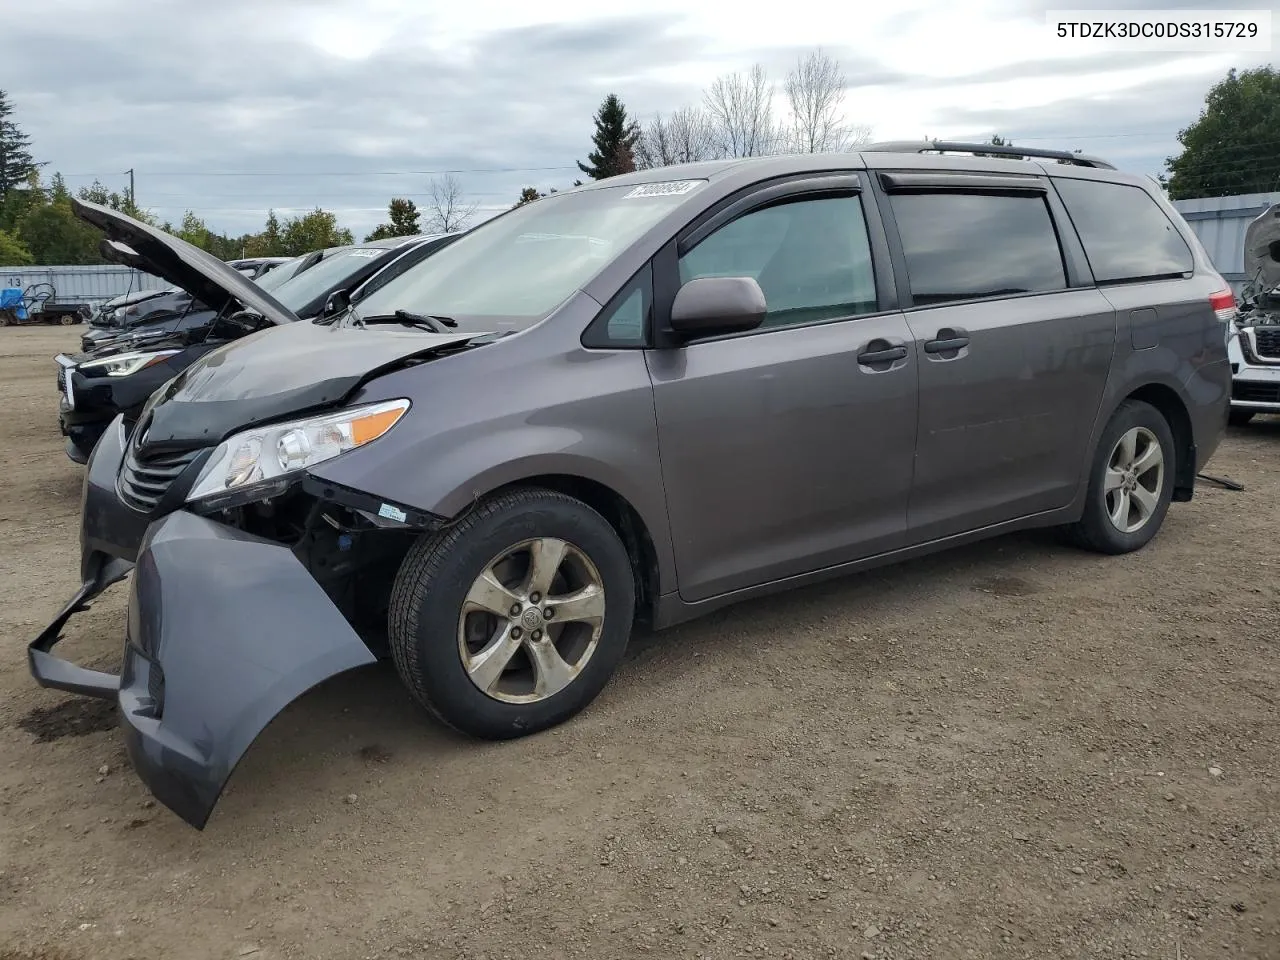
{"x":1223,"y":305}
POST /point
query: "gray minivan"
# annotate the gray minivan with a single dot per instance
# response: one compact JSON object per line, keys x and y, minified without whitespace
{"x":640,"y":400}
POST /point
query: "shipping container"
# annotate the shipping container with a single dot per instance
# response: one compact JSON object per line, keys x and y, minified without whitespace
{"x":82,"y":284}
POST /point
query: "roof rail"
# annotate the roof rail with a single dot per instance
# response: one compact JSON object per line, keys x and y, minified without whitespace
{"x":928,"y":146}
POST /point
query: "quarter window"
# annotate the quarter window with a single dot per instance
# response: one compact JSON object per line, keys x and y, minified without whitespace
{"x":966,"y":246}
{"x":1126,"y":235}
{"x":812,"y":259}
{"x":626,"y":320}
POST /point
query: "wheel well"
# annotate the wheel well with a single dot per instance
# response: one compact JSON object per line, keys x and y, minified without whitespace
{"x":1175,"y":414}
{"x":624,"y":519}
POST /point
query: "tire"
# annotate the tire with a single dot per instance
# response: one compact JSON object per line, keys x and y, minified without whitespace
{"x":1239,"y":418}
{"x":1096,"y":530}
{"x":437,"y":647}
{"x":67,"y":319}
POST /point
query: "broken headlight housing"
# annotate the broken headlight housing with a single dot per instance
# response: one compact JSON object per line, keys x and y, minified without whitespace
{"x":262,"y":462}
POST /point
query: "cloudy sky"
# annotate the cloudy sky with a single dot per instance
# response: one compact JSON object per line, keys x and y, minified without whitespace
{"x":234,"y":107}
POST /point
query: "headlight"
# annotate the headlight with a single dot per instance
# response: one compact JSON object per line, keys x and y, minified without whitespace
{"x":262,"y":462}
{"x":124,"y":364}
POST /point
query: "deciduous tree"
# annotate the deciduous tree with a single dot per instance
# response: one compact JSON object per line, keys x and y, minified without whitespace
{"x":741,"y":110}
{"x":312,"y":231}
{"x":447,"y":211}
{"x":1231,"y":148}
{"x":685,"y":135}
{"x":815,"y":95}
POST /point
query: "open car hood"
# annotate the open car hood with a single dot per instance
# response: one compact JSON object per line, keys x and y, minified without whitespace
{"x":1262,"y":249}
{"x":279,"y":372}
{"x":201,"y":274}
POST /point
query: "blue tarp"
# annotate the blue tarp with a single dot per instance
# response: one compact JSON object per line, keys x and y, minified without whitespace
{"x":11,"y":299}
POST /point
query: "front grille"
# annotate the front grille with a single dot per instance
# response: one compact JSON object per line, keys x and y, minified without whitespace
{"x":1268,"y":341}
{"x":1255,"y":391}
{"x":146,"y":477}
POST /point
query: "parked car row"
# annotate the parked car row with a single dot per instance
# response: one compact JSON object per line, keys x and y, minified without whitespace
{"x":124,"y":365}
{"x":635,"y":401}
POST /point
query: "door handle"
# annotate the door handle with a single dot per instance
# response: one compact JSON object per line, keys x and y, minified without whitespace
{"x":887,"y":355}
{"x":946,"y":346}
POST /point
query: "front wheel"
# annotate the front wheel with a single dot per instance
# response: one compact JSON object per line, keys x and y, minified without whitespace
{"x":1131,"y":482}
{"x":512,"y":620}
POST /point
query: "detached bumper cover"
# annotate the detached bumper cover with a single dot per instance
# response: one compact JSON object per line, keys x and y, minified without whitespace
{"x":225,"y":630}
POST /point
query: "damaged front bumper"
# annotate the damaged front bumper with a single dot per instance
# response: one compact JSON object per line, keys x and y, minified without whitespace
{"x":1255,"y":369}
{"x":225,"y":630}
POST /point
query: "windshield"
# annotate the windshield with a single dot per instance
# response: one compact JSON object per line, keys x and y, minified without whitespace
{"x":300,"y":290}
{"x":278,"y":275}
{"x":524,"y":264}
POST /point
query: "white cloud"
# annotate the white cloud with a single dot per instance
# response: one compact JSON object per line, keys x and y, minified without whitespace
{"x":306,"y":89}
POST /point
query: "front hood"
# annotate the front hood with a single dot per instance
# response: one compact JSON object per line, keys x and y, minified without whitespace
{"x":279,"y":372}
{"x":201,"y":274}
{"x":118,"y":345}
{"x":1262,"y":249}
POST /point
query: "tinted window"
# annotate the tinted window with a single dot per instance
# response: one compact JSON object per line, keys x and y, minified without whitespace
{"x":1126,"y":235}
{"x":811,"y":258}
{"x":960,"y":246}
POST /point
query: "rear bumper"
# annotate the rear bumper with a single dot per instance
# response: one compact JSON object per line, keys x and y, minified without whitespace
{"x":224,"y":631}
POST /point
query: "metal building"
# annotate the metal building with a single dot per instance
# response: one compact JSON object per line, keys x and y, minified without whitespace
{"x":1220,"y":223}
{"x":87,"y":284}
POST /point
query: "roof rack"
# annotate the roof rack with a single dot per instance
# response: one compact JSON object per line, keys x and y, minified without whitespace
{"x":939,"y":146}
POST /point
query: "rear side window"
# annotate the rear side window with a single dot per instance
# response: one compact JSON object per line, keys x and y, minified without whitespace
{"x":965,"y":246}
{"x":1126,"y":235}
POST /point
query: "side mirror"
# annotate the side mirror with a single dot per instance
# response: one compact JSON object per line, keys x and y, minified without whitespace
{"x":712,"y":305}
{"x":337,"y":302}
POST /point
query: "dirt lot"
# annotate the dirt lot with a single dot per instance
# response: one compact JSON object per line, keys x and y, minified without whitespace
{"x":1013,"y":750}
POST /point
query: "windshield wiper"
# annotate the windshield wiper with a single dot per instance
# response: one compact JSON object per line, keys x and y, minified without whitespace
{"x":434,"y":323}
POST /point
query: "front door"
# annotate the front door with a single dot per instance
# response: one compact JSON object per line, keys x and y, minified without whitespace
{"x":1013,"y":357}
{"x":789,"y":448}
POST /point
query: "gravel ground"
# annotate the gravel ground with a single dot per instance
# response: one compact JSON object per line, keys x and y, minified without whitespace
{"x":1011,"y":750}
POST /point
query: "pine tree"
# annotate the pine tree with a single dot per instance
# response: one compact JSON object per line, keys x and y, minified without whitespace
{"x":16,"y":162}
{"x":615,"y":141}
{"x":403,"y":215}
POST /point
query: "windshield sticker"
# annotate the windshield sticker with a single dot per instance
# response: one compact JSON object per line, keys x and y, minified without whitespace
{"x":669,"y":188}
{"x":370,"y":254}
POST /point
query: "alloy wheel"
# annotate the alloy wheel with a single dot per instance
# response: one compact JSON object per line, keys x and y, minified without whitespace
{"x":531,"y":621}
{"x":1134,"y":479}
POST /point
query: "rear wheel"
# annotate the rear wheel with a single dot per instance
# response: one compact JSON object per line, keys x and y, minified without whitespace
{"x":512,"y":620}
{"x":67,"y":319}
{"x":1239,"y":418}
{"x":1131,"y":482}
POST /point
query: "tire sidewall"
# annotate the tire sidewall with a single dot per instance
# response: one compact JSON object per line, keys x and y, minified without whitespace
{"x":1129,"y":415}
{"x":444,"y":679}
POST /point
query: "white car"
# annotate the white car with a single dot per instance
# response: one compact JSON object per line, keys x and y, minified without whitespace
{"x":1254,"y":347}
